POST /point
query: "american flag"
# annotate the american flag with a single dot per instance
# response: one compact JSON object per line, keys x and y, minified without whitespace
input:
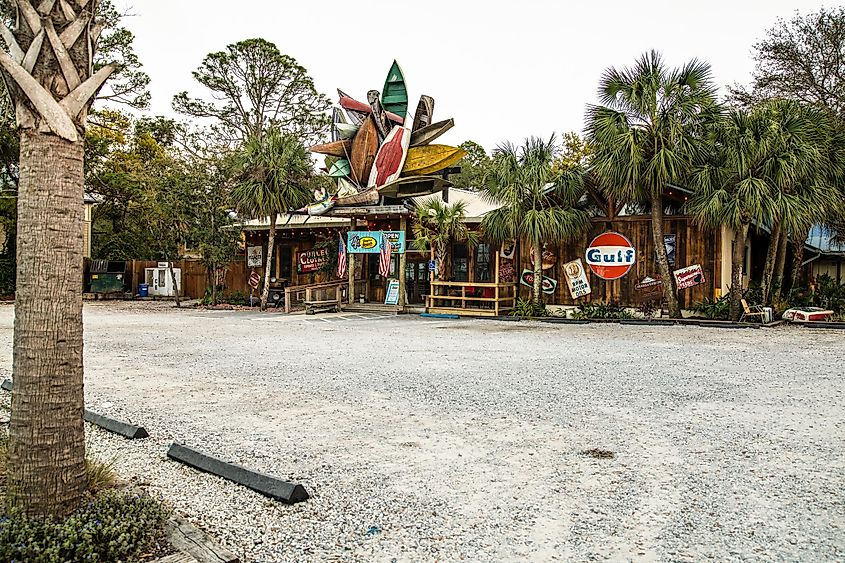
{"x":384,"y":257}
{"x":341,"y":257}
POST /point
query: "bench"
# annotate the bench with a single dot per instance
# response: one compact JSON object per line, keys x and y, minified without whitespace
{"x":312,"y":307}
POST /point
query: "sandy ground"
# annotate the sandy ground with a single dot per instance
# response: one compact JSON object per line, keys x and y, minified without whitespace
{"x":424,"y":439}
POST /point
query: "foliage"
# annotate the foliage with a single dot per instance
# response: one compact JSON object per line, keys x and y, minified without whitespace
{"x":576,"y":152}
{"x":128,"y":84}
{"x":536,"y":199}
{"x":272,"y":175}
{"x":830,"y":294}
{"x":473,"y":166}
{"x":646,"y":134}
{"x":255,"y":88}
{"x":437,"y":224}
{"x":713,"y":308}
{"x":599,"y":310}
{"x":101,"y":475}
{"x":529,"y":308}
{"x":114,"y":526}
{"x":801,"y":59}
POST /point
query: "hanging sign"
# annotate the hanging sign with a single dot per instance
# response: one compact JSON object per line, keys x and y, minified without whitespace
{"x":648,"y":289}
{"x":611,"y":255}
{"x":254,"y":257}
{"x":391,"y":297}
{"x":548,"y":257}
{"x":527,"y":278}
{"x":508,"y":249}
{"x":576,"y":278}
{"x":311,"y":260}
{"x":689,"y":276}
{"x":369,"y":242}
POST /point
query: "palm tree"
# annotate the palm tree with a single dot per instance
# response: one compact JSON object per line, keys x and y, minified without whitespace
{"x":812,"y":197}
{"x":48,"y":64}
{"x":756,"y":158}
{"x":273,"y":177}
{"x":646,"y":134}
{"x":536,"y":199}
{"x":437,"y":224}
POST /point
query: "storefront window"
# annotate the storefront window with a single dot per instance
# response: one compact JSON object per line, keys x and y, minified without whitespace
{"x":482,"y":263}
{"x":460,"y":262}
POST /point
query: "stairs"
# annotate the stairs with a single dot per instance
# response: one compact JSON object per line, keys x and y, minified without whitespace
{"x":370,"y":308}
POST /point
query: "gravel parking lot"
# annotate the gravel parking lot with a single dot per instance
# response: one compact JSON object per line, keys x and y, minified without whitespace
{"x":426,"y":439}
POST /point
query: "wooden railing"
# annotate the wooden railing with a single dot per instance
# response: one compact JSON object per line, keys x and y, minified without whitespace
{"x":329,"y":291}
{"x":471,"y":298}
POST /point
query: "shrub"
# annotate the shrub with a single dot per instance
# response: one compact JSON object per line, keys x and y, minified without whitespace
{"x":599,"y":310}
{"x":713,"y":309}
{"x":527,"y":308}
{"x":112,"y":527}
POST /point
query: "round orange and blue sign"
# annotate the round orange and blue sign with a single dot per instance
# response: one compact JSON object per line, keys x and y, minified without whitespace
{"x":611,"y":255}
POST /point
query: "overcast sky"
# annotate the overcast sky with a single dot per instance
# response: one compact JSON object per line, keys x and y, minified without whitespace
{"x":502,"y":70}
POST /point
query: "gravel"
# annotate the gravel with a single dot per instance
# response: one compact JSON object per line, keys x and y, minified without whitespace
{"x":450,"y":440}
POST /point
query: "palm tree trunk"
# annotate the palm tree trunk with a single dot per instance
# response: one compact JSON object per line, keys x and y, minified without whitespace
{"x":737,"y":259}
{"x":271,"y":243}
{"x":46,"y":469}
{"x":798,"y":259}
{"x":780,"y":265}
{"x":662,"y":259}
{"x":441,"y":261}
{"x":771,"y":258}
{"x":538,"y":271}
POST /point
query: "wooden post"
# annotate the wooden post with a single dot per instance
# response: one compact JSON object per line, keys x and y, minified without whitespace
{"x":403,"y":226}
{"x":350,"y":264}
{"x":496,"y":280}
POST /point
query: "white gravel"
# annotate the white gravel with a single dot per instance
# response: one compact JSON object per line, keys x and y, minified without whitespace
{"x":445,"y":440}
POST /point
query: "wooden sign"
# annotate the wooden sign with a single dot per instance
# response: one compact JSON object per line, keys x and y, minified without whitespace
{"x":311,"y":260}
{"x":689,"y":276}
{"x":648,"y":289}
{"x":527,"y":278}
{"x":576,"y":278}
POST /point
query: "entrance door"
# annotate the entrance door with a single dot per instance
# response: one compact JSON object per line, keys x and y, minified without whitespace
{"x":416,"y":280}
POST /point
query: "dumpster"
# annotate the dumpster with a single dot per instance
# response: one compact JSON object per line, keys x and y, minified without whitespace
{"x":143,"y":290}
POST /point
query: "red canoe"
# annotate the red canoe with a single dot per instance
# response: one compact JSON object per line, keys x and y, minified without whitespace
{"x":361,"y":107}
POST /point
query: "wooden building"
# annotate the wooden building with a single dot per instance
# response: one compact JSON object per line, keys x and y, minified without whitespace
{"x":472,"y":273}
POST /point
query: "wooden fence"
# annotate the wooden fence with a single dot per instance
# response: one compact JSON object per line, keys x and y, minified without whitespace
{"x":195,"y":277}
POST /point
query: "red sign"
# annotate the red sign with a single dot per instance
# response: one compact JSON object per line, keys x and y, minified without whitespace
{"x":611,"y":255}
{"x":311,"y":260}
{"x":254,"y":278}
{"x":689,"y":276}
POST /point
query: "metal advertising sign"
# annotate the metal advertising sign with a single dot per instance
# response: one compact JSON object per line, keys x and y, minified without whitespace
{"x":689,"y":276}
{"x":648,"y":289}
{"x":576,"y":278}
{"x":391,"y":297}
{"x":527,"y":278}
{"x":254,"y":280}
{"x":611,"y":255}
{"x":311,"y":260}
{"x":548,"y":258}
{"x":369,"y":242}
{"x":508,"y":249}
{"x":254,"y":257}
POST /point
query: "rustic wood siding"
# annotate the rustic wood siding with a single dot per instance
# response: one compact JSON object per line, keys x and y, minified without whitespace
{"x":694,"y":246}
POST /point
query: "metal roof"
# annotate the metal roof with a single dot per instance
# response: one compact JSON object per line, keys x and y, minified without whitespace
{"x":821,"y":240}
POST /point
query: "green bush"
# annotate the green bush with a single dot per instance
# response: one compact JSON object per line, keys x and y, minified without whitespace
{"x":527,"y":308}
{"x":599,"y":310}
{"x":713,"y":309}
{"x":114,"y":526}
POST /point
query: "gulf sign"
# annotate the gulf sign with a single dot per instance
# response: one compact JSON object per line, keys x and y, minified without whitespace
{"x":610,"y":256}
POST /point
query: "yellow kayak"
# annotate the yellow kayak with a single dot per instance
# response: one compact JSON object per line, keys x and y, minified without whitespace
{"x":429,"y":159}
